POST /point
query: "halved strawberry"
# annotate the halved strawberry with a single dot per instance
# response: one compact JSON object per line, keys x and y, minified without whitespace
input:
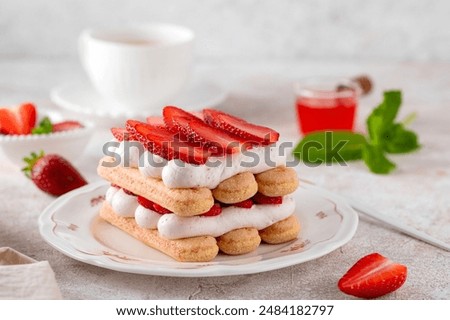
{"x":373,"y":276}
{"x":162,"y":142}
{"x":160,"y":209}
{"x":215,"y":210}
{"x":156,"y":121}
{"x":262,"y":199}
{"x":251,"y":132}
{"x":66,"y":125}
{"x":19,"y":120}
{"x":247,"y":204}
{"x":122,"y":134}
{"x":145,"y":203}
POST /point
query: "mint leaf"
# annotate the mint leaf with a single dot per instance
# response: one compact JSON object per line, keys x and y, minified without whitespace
{"x":330,"y":146}
{"x":384,"y":136}
{"x":400,"y":140}
{"x":375,"y":159}
{"x":383,"y":116}
{"x":45,"y":126}
{"x":388,"y":109}
{"x":376,"y":128}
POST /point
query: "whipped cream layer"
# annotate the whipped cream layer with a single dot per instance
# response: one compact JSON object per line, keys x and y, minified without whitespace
{"x":123,"y":204}
{"x":172,"y":226}
{"x":178,"y":174}
{"x":146,"y":218}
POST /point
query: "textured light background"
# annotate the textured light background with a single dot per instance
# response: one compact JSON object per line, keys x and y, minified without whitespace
{"x":255,"y":48}
{"x":401,"y":30}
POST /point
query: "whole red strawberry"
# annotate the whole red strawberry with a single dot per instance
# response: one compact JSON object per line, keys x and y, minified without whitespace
{"x":373,"y":276}
{"x":53,"y":174}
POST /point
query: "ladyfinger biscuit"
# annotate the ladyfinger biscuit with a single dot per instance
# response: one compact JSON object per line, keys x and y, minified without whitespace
{"x":196,"y":249}
{"x":239,"y":241}
{"x":184,"y":202}
{"x":281,"y":231}
{"x":236,"y":189}
{"x":279,"y":181}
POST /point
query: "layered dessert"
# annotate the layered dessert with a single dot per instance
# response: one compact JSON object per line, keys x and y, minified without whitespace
{"x":192,"y":185}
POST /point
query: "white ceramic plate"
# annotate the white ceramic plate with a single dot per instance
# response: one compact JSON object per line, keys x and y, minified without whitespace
{"x":80,"y":97}
{"x":71,"y":225}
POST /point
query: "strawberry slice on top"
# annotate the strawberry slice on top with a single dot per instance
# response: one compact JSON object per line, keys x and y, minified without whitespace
{"x":373,"y":276}
{"x":156,"y":121}
{"x":196,"y":130}
{"x":19,"y":120}
{"x":164,"y":143}
{"x":122,"y":134}
{"x":177,"y":120}
{"x":251,"y":132}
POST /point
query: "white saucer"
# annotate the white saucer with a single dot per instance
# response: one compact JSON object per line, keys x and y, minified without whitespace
{"x":80,"y":97}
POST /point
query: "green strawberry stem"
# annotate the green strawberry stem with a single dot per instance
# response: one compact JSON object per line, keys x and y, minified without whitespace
{"x":45,"y":126}
{"x":30,"y":162}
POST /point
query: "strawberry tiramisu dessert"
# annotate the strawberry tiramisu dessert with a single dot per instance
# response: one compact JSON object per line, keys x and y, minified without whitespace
{"x":193,"y":184}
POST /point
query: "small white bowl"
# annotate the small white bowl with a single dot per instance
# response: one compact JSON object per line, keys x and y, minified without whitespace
{"x":69,"y":144}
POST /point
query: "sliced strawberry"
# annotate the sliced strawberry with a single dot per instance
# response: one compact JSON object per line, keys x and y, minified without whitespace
{"x":66,"y":125}
{"x":122,"y":134}
{"x":212,"y":137}
{"x":373,"y":276}
{"x":19,"y":120}
{"x":118,"y":133}
{"x":154,"y":139}
{"x":198,"y":114}
{"x":162,"y":142}
{"x":148,"y":204}
{"x":160,"y":209}
{"x":177,"y":120}
{"x":215,"y":210}
{"x":128,"y":192}
{"x":251,"y":132}
{"x":156,"y":121}
{"x":130,"y":127}
{"x":196,"y":130}
{"x":247,"y":204}
{"x":145,"y":203}
{"x":262,"y":199}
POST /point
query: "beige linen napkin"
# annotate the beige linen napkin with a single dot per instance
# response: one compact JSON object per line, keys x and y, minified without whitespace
{"x":24,"y":278}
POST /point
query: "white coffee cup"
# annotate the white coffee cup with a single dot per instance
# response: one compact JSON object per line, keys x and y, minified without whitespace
{"x":137,"y":67}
